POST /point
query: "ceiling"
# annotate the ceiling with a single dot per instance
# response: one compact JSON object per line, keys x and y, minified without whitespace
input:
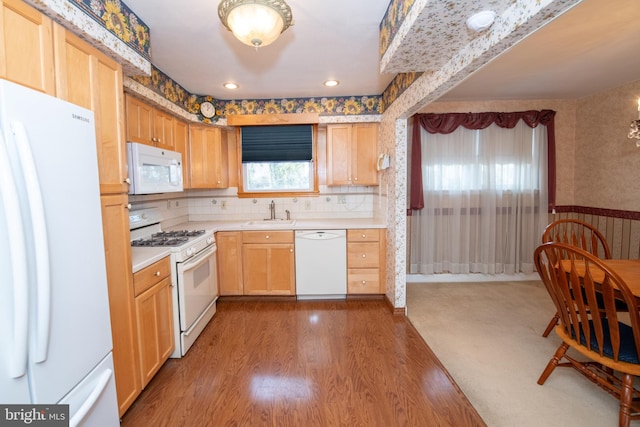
{"x":590,"y":48}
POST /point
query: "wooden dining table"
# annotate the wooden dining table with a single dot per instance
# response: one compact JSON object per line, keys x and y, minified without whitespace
{"x":627,"y":269}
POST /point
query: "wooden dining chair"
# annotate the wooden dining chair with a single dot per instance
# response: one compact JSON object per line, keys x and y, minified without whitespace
{"x":573,"y":277}
{"x":576,"y":233}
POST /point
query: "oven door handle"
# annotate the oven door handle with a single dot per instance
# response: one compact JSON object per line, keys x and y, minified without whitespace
{"x":197,"y":259}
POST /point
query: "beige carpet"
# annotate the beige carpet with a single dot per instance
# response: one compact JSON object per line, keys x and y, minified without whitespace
{"x":488,"y":336}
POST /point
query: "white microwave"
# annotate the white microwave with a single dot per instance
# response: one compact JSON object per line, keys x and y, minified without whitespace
{"x":153,"y":170}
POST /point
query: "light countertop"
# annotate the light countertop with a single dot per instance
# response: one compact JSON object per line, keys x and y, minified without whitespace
{"x":142,"y":257}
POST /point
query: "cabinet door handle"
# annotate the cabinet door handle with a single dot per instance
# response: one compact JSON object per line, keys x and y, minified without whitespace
{"x":157,"y":273}
{"x":127,"y":180}
{"x":128,"y":206}
{"x":364,"y":255}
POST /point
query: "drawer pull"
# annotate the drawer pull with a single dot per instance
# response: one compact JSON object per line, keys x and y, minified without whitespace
{"x":267,"y":236}
{"x":364,"y":236}
{"x":157,"y":273}
{"x":364,"y":255}
{"x":364,"y":282}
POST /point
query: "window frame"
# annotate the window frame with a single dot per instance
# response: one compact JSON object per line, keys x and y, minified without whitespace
{"x":285,"y":193}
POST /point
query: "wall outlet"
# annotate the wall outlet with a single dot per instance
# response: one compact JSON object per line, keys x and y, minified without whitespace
{"x":342,"y":200}
{"x":168,"y":204}
{"x":307,"y":204}
{"x":223,"y":205}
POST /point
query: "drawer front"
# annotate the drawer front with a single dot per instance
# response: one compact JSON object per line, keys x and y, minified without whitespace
{"x":363,"y":255}
{"x":363,"y":235}
{"x":267,"y":236}
{"x":363,"y":281}
{"x":149,"y":276}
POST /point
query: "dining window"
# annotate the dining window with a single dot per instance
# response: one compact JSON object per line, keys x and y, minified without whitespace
{"x":485,"y":200}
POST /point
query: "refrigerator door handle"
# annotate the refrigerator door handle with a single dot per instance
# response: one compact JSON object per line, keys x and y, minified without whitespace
{"x":42,"y":267}
{"x":18,"y":265}
{"x":103,"y":380}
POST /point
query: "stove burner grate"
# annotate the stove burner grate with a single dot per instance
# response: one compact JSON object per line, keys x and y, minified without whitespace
{"x":160,"y":241}
{"x":178,"y":233}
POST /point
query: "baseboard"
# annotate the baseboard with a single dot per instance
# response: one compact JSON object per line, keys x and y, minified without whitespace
{"x":474,"y":277}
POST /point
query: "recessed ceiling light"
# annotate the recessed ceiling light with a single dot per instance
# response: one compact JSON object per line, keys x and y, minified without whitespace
{"x":231,"y":85}
{"x":481,"y":20}
{"x":331,"y":83}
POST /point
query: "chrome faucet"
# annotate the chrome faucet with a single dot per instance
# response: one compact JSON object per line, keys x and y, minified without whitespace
{"x":272,"y":208}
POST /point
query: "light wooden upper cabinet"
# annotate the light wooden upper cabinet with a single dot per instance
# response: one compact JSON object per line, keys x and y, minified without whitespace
{"x":352,"y":154}
{"x":208,"y":157}
{"x":148,"y":125}
{"x":26,"y":46}
{"x":181,"y":140}
{"x":85,"y":76}
{"x":163,"y":130}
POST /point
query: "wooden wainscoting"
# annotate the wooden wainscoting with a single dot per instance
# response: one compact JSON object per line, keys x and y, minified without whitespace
{"x":620,"y":228}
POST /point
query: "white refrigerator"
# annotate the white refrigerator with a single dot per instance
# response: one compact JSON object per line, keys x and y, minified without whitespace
{"x":55,"y":332}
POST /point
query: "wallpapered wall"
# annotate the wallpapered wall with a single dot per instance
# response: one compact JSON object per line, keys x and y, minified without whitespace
{"x":117,"y":18}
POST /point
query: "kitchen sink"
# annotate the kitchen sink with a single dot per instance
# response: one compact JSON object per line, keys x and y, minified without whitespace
{"x":270,"y":223}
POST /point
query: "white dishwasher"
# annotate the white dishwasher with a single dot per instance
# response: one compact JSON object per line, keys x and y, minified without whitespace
{"x":321,"y":264}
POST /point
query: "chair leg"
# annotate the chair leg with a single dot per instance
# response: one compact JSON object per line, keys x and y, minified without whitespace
{"x":626,"y":396}
{"x":553,"y":363}
{"x":551,"y":325}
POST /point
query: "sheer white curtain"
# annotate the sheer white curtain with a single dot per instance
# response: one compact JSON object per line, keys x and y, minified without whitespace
{"x":485,"y":200}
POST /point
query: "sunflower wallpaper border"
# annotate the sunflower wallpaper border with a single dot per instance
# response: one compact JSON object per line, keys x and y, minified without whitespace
{"x":121,"y":21}
{"x":163,"y":85}
{"x":393,"y":18}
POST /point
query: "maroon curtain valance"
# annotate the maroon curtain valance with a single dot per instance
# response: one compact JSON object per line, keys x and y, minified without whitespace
{"x":446,"y":123}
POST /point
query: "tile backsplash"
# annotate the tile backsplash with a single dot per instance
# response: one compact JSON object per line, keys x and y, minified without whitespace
{"x":225,"y":205}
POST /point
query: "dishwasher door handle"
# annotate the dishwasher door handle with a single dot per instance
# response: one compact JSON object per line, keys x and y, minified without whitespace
{"x":319,"y":235}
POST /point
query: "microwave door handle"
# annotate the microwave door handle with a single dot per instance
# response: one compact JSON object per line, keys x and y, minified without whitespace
{"x":18,"y":270}
{"x":42,"y":265}
{"x":173,"y":173}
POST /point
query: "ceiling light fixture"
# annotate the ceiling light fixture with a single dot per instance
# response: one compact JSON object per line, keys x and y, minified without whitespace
{"x":331,"y":83}
{"x":255,"y":23}
{"x":231,"y":85}
{"x":481,"y":20}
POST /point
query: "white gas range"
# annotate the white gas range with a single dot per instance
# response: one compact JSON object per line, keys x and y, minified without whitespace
{"x":193,"y":272}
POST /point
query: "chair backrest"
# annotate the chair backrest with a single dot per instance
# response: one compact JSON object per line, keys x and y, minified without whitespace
{"x":573,"y":277}
{"x":577,"y":233}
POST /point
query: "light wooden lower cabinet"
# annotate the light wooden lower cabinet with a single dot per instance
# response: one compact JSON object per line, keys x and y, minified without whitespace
{"x":229,"y":257}
{"x":263,"y":262}
{"x":366,"y":249}
{"x":268,"y":261}
{"x":154,"y":314}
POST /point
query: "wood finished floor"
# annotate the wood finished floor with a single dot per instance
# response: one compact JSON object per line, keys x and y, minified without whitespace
{"x":306,"y":363}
